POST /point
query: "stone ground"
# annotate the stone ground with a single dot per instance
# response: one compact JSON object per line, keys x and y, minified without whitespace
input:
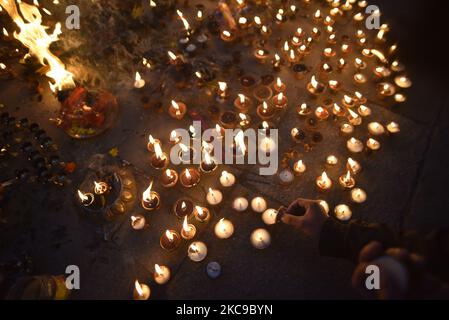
{"x":406,"y":184}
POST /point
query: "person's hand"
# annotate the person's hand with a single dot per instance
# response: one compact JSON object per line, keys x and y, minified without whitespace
{"x":395,"y":277}
{"x":307,"y":216}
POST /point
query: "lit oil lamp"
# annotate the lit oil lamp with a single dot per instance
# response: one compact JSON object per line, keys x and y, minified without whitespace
{"x":359,"y":98}
{"x":338,"y":111}
{"x":322,"y":113}
{"x":265,"y":111}
{"x":224,"y":229}
{"x":393,"y":128}
{"x":325,"y":70}
{"x":280,"y":101}
{"x":342,"y":64}
{"x":314,"y":87}
{"x":245,"y":121}
{"x":358,"y":195}
{"x":348,"y":101}
{"x":190,"y":177}
{"x":265,"y":31}
{"x":343,"y":212}
{"x":299,"y":168}
{"x":227,"y":179}
{"x":267,"y":145}
{"x":373,"y":144}
{"x":353,"y":166}
{"x":293,"y":57}
{"x":87,"y":199}
{"x":222,"y":90}
{"x":331,"y":160}
{"x":259,"y":204}
{"x":183,"y":208}
{"x":243,"y":23}
{"x":354,"y":118}
{"x":385,"y":90}
{"x":323,"y":182}
{"x":304,"y":110}
{"x":227,"y":36}
{"x":364,"y":111}
{"x":381,"y":72}
{"x":376,"y":129}
{"x":334,"y":86}
{"x":170,"y":240}
{"x":360,"y":78}
{"x":202,"y":214}
{"x":188,"y":231}
{"x":197,"y":251}
{"x":169,"y":178}
{"x":141,"y":291}
{"x":243,"y":103}
{"x":101,"y":188}
{"x":240,"y":204}
{"x":403,"y":82}
{"x":329,"y":52}
{"x":151,"y":200}
{"x":159,"y":160}
{"x":347,"y":128}
{"x":276,"y":62}
{"x":261,"y":55}
{"x":174,"y":59}
{"x":214,"y":197}
{"x":279,"y":86}
{"x":347,"y":181}
{"x":138,"y":222}
{"x":260,"y":239}
{"x":152,"y":142}
{"x":139,"y":83}
{"x":161,"y":274}
{"x":297,"y":135}
{"x":177,"y":110}
{"x":359,"y":64}
{"x":354,"y":145}
{"x":208,"y":165}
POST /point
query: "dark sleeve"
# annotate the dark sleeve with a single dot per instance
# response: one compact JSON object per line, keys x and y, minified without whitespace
{"x":434,"y":247}
{"x":346,"y":240}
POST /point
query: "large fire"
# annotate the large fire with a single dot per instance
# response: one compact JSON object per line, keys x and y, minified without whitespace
{"x":34,"y":36}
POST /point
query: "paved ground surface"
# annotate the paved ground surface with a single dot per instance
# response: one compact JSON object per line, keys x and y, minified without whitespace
{"x":406,"y":183}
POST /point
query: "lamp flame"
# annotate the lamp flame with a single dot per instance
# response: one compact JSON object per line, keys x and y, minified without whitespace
{"x":34,"y":36}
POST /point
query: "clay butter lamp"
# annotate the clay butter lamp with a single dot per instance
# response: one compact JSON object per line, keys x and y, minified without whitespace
{"x":177,"y":110}
{"x":169,"y":178}
{"x":243,"y":103}
{"x":190,"y":177}
{"x":265,"y":111}
{"x":170,"y":240}
{"x":183,"y":208}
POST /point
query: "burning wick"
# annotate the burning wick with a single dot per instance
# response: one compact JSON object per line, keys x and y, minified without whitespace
{"x":101,"y":188}
{"x":151,"y":200}
{"x":227,"y":179}
{"x":170,"y":240}
{"x":138,"y":222}
{"x":139,"y":83}
{"x":323,"y":182}
{"x":224,"y":229}
{"x":214,"y":197}
{"x":188,"y":231}
{"x":161,"y":274}
{"x":201,"y":214}
{"x":141,"y":291}
{"x":86,"y":198}
{"x":34,"y":36}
